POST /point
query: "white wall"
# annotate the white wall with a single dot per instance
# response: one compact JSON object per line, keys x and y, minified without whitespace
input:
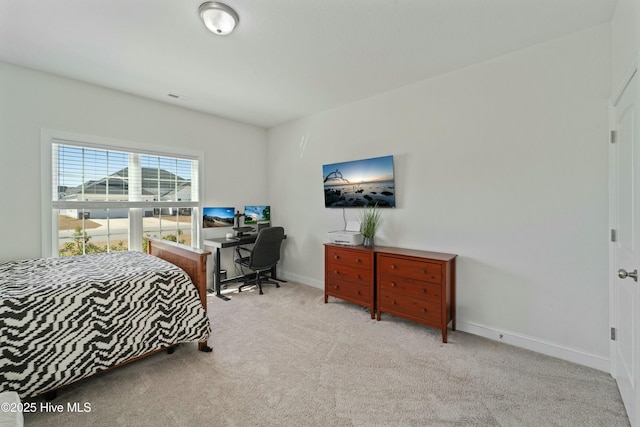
{"x":504,"y":163}
{"x":625,"y":39}
{"x":30,"y":101}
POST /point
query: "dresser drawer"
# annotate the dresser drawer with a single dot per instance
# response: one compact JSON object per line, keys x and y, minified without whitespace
{"x":427,"y":311}
{"x":349,"y":274}
{"x":416,"y":269}
{"x":411,"y":287}
{"x":348,"y":291}
{"x":353,"y":258}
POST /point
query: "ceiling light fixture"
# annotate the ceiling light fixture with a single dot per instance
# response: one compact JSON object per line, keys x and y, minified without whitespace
{"x":218,"y":17}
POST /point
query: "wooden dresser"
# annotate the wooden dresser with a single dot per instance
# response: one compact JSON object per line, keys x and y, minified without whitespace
{"x":417,"y":285}
{"x":349,"y":275}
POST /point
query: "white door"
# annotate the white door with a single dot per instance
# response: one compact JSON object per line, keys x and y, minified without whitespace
{"x":625,"y":200}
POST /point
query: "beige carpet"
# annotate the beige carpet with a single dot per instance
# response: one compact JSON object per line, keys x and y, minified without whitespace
{"x":287,"y":359}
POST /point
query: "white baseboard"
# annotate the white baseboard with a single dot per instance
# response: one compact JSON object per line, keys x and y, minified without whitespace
{"x":535,"y":344}
{"x":301,"y":279}
{"x":508,"y":337}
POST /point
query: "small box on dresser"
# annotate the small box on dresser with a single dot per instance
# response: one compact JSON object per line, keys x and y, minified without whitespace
{"x":349,"y":275}
{"x":416,"y":285}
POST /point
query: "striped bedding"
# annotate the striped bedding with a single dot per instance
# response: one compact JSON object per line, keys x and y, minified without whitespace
{"x":64,"y":319}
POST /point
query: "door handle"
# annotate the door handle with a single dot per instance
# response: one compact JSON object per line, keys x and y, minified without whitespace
{"x":623,"y":274}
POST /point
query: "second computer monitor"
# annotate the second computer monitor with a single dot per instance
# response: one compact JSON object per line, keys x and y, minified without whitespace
{"x":218,"y":217}
{"x":256,"y":214}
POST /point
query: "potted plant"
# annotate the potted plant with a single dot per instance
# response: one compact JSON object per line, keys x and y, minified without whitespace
{"x":369,"y":223}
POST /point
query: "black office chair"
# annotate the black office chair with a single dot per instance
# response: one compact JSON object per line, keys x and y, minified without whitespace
{"x":264,"y":255}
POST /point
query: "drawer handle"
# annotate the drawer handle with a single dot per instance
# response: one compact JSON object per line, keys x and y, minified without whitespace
{"x":336,"y":272}
{"x":424,"y":310}
{"x":424,"y":291}
{"x":358,"y":277}
{"x":359,"y":293}
{"x":336,"y":287}
{"x":393,"y":301}
{"x":336,"y":256}
{"x":393,"y":266}
{"x":393,"y":284}
{"x":424,"y":271}
{"x":358,"y":260}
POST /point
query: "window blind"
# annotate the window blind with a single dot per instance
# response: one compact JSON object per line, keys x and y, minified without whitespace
{"x":98,"y":177}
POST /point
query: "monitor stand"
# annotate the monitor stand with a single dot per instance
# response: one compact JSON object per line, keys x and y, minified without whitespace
{"x":240,"y":230}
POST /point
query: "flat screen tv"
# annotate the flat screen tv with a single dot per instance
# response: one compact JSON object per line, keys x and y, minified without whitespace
{"x":360,"y":183}
{"x":256,"y":214}
{"x":217,"y":217}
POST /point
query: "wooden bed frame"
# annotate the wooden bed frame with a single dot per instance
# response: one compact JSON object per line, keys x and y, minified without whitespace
{"x":192,"y":260}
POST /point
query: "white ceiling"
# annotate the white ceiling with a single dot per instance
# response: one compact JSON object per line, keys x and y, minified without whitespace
{"x":287,"y":58}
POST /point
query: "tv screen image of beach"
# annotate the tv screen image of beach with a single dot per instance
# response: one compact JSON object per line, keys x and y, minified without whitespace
{"x":360,"y":183}
{"x":217,"y":217}
{"x":256,"y":214}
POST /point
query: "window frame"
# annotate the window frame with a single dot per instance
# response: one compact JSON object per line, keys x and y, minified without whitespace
{"x":49,"y":223}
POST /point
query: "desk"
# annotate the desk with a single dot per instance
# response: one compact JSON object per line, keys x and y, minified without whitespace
{"x":223,"y":242}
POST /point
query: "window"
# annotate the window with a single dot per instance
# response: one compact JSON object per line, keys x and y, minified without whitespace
{"x":109,"y":198}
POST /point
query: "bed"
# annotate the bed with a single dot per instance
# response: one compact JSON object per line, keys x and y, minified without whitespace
{"x":66,"y":319}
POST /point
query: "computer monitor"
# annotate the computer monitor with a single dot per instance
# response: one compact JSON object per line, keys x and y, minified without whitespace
{"x":218,"y":217}
{"x":256,"y":214}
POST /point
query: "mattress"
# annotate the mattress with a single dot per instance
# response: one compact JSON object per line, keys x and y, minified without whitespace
{"x":64,"y":319}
